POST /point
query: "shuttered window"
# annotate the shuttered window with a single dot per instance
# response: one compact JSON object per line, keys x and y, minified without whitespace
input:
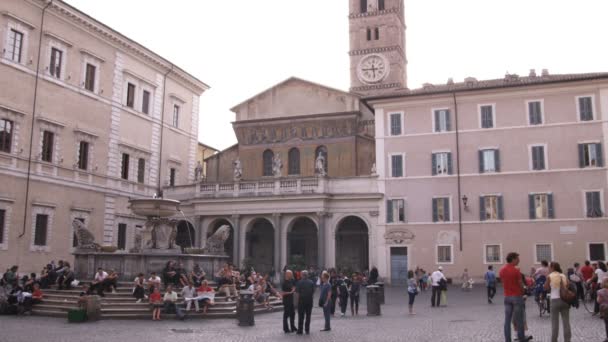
{"x":15,"y":46}
{"x":441,"y":163}
{"x":585,"y":107}
{"x":535,"y":115}
{"x":89,"y":80}
{"x":55,"y":64}
{"x":397,"y":166}
{"x":442,"y":120}
{"x":491,"y":208}
{"x":489,"y":161}
{"x":538,"y":158}
{"x":40,"y":235}
{"x":83,"y":155}
{"x":47,"y":146}
{"x":590,"y":155}
{"x":122,"y":236}
{"x":141,"y":170}
{"x":395,"y":211}
{"x":444,"y":254}
{"x":396,"y":124}
{"x":594,"y":204}
{"x":6,"y":135}
{"x":541,"y":206}
{"x":487,"y":116}
{"x":441,"y":209}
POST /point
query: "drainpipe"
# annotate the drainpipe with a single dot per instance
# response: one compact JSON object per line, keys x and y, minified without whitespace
{"x":29,"y":159}
{"x":458,"y":170}
{"x":162,"y":126}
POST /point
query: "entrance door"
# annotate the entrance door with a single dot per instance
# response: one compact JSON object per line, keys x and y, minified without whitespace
{"x":399,"y":265}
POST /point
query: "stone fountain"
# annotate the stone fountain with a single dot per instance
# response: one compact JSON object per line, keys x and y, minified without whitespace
{"x":153,"y":246}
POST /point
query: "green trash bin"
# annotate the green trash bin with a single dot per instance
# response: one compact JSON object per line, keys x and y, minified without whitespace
{"x":77,"y":316}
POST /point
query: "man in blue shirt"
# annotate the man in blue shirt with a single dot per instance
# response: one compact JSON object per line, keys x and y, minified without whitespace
{"x":490,"y":278}
{"x":325,"y":299}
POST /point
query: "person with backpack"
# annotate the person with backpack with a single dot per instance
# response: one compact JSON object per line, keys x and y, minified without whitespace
{"x":557,"y":282}
{"x":490,"y":278}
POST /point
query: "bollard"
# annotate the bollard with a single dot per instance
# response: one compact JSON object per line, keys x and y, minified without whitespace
{"x":244,"y":309}
{"x":373,"y":300}
{"x":381,"y":292}
{"x":93,"y":308}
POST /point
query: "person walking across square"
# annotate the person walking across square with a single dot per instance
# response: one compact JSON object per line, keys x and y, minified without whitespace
{"x":490,"y":278}
{"x":436,"y":278}
{"x":514,"y":302}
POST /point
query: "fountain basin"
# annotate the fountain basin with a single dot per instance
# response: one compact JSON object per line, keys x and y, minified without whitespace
{"x":154,"y":207}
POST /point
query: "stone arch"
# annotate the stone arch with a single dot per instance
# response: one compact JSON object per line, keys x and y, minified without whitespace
{"x":185,"y":234}
{"x":228,"y":245}
{"x":259,"y":244}
{"x":352,"y":243}
{"x":302,"y":241}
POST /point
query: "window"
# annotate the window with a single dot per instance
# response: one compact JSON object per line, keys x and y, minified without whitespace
{"x":130,"y":95}
{"x":489,"y":161}
{"x":395,"y":211}
{"x":89,"y":78}
{"x":294,"y":161}
{"x":369,"y":34}
{"x":597,"y":252}
{"x":55,"y":66}
{"x":593,"y":201}
{"x":493,"y":254}
{"x":376,"y":33}
{"x":42,"y":221}
{"x":323,"y":151}
{"x":6,"y":135}
{"x":491,"y":208}
{"x":363,"y":6}
{"x":541,"y":206}
{"x":397,"y":165}
{"x":124,"y":171}
{"x":381,"y":5}
{"x":444,"y":254}
{"x":487,"y":116}
{"x":535,"y":114}
{"x":172,"y":177}
{"x":176,"y":116}
{"x":441,"y":119}
{"x":141,"y":170}
{"x":396,"y":123}
{"x":83,"y":155}
{"x":267,"y":157}
{"x":441,"y":163}
{"x":122,"y":236}
{"x":15,"y":45}
{"x":47,"y":146}
{"x":441,"y":209}
{"x":538,"y":157}
{"x":544,"y":251}
{"x":585,"y":108}
{"x":145,"y":102}
{"x":590,"y":155}
{"x":2,"y":225}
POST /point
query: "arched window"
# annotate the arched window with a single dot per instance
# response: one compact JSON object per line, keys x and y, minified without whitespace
{"x":369,"y":34}
{"x":377,"y":33}
{"x":380,"y":5}
{"x":267,"y":156}
{"x":323,"y":151}
{"x":363,"y":6}
{"x":294,"y":162}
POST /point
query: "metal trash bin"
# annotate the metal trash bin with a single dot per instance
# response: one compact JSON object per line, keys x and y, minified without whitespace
{"x":244,"y":309}
{"x":381,"y":291}
{"x":373,"y":300}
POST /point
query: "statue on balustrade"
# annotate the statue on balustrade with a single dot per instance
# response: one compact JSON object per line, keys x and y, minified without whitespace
{"x":238,"y":170}
{"x":320,"y":168}
{"x":277,"y":165}
{"x":198,"y":172}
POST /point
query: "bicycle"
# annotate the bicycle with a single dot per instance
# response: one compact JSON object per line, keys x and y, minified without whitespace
{"x":589,"y":298}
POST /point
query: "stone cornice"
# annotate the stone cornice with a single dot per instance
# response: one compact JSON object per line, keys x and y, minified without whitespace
{"x":60,"y":39}
{"x":71,"y":14}
{"x":377,"y":50}
{"x":19,"y":19}
{"x":376,"y":86}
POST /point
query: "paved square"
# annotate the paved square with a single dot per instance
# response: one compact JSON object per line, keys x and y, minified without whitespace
{"x":466,"y":318}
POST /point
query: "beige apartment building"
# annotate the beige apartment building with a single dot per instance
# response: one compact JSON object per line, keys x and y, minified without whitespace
{"x":88,"y":119}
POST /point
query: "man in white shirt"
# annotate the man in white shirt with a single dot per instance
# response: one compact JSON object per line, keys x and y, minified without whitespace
{"x":153,"y":282}
{"x":436,"y":278}
{"x":189,"y":294}
{"x":97,"y":284}
{"x":170,"y":301}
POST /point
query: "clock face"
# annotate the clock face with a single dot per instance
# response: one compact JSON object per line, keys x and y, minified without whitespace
{"x":373,"y":68}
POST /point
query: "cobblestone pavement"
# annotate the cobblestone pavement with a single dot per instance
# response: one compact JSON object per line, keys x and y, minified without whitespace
{"x":467,"y":317}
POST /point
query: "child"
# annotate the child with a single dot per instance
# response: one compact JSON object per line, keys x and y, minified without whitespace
{"x":157,"y":303}
{"x":602,"y":300}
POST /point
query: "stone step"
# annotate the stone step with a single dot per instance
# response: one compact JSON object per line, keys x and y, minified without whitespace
{"x":189,"y":315}
{"x":48,"y":312}
{"x":53,"y":307}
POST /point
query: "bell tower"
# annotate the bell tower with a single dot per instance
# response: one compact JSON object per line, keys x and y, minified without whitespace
{"x":377,"y":46}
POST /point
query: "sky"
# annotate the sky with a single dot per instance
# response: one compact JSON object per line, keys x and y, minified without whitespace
{"x":242,"y":47}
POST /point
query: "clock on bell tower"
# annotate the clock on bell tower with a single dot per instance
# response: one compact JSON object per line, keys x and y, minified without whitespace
{"x":377,"y":46}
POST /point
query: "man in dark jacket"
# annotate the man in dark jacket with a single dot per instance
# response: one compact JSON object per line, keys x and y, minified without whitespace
{"x":305,"y":290}
{"x":289,"y":314}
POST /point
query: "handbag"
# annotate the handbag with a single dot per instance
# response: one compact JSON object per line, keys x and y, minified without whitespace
{"x":565,"y":293}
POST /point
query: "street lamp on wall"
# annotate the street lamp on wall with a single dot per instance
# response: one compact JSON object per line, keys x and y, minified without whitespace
{"x":465,"y":201}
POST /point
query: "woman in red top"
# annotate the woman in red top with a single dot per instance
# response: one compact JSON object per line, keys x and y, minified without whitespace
{"x":157,"y":303}
{"x":37,"y":294}
{"x":206,"y":302}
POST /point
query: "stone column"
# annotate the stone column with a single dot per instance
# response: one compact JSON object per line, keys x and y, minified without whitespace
{"x":236,"y":229}
{"x":276,"y":218}
{"x":321,"y":239}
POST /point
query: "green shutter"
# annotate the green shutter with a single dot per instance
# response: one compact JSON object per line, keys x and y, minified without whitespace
{"x":497,"y":160}
{"x":448,"y":123}
{"x":446,"y":209}
{"x":531,"y":208}
{"x":450,"y":163}
{"x":481,"y":163}
{"x":550,"y":205}
{"x":589,"y":200}
{"x":482,"y":208}
{"x":501,"y":209}
{"x":581,"y":155}
{"x":436,"y":121}
{"x":389,"y":211}
{"x":433,"y":164}
{"x":600,"y":155}
{"x":435,"y":209}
